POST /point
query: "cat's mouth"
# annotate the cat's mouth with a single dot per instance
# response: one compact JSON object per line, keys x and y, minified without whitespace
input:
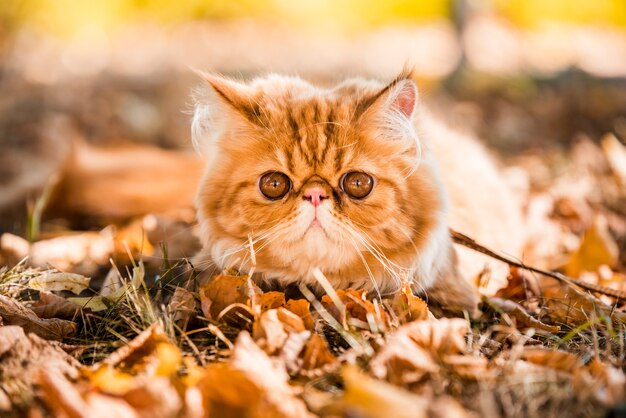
{"x":315,"y":226}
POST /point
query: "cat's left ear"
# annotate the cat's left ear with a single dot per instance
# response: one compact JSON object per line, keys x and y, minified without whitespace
{"x":391,"y":110}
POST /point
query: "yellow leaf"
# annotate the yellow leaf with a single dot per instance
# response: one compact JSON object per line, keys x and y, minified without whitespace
{"x":377,"y":399}
{"x":112,"y":381}
{"x":102,"y":303}
{"x":169,"y":359}
{"x":597,"y":248}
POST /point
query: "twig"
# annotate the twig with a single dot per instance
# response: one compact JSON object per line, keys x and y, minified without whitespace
{"x":468,"y":242}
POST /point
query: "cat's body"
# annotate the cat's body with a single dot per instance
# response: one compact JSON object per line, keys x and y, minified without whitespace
{"x":352,"y":181}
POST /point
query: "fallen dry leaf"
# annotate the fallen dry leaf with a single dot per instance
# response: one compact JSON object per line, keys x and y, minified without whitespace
{"x":565,"y":304}
{"x":401,"y":361}
{"x":519,"y":287}
{"x":158,"y":398}
{"x":14,"y":313}
{"x":58,"y":281}
{"x":596,"y":249}
{"x":66,"y":400}
{"x":251,"y":385}
{"x":356,"y":309}
{"x":82,"y":253}
{"x":443,"y":336}
{"x":416,"y":348}
{"x":370,"y":398}
{"x":102,"y":302}
{"x":554,"y":359}
{"x":615,"y":153}
{"x":468,"y":367}
{"x":224,"y":291}
{"x":136,"y":350}
{"x":301,"y":307}
{"x":316,"y":354}
{"x":13,"y":249}
{"x":367,"y":397}
{"x":602,"y":381}
{"x":274,"y":326}
{"x":50,"y":305}
{"x":269,"y":300}
{"x":23,"y":355}
{"x":183,"y":307}
{"x":409,"y":307}
{"x":517,"y":312}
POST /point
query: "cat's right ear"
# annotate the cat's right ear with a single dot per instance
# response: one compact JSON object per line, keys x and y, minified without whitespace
{"x":221,"y":105}
{"x":390,"y":112}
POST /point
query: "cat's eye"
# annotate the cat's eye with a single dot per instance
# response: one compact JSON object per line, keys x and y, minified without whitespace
{"x":357,"y":184}
{"x":274,"y":185}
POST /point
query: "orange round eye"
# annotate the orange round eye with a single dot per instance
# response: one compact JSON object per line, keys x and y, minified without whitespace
{"x":357,"y":184}
{"x":274,"y":185}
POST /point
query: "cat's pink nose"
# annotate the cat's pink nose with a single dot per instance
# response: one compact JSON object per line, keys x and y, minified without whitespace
{"x":315,"y":195}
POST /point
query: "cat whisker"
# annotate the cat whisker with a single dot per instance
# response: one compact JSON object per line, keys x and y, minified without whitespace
{"x":367,"y":268}
{"x":393,"y":269}
{"x":379,"y":256}
{"x":263,"y":235}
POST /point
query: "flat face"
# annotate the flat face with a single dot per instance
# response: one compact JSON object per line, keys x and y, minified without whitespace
{"x":307,"y":174}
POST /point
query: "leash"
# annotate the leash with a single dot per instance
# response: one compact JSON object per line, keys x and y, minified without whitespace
{"x":468,"y":242}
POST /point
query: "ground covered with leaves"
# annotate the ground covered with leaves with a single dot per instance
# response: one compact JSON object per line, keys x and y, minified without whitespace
{"x":121,"y":327}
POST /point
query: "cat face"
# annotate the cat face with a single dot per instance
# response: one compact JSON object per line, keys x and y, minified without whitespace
{"x":301,"y":177}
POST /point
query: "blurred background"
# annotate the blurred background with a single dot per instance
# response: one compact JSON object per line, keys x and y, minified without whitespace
{"x":535,"y":79}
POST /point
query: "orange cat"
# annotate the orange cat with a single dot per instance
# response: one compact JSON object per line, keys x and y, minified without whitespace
{"x":351,"y":180}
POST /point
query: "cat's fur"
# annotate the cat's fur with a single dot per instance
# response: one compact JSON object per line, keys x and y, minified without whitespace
{"x":315,"y":135}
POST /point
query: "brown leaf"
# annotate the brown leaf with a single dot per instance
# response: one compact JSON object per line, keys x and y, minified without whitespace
{"x":355,"y":307}
{"x":401,"y":361}
{"x":66,"y":400}
{"x":183,"y":307}
{"x":523,"y":318}
{"x":50,"y":305}
{"x":250,"y":385}
{"x":269,"y":300}
{"x":224,"y":291}
{"x":273,"y":328}
{"x":605,"y":383}
{"x":409,"y":307}
{"x":23,"y":355}
{"x":316,"y":354}
{"x":468,"y":367}
{"x":14,"y":313}
{"x":61,"y":396}
{"x":568,"y":305}
{"x":519,"y":287}
{"x":135,"y":351}
{"x":157,"y":398}
{"x":415,"y":348}
{"x":301,"y":308}
{"x":443,"y":336}
{"x":554,"y":359}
